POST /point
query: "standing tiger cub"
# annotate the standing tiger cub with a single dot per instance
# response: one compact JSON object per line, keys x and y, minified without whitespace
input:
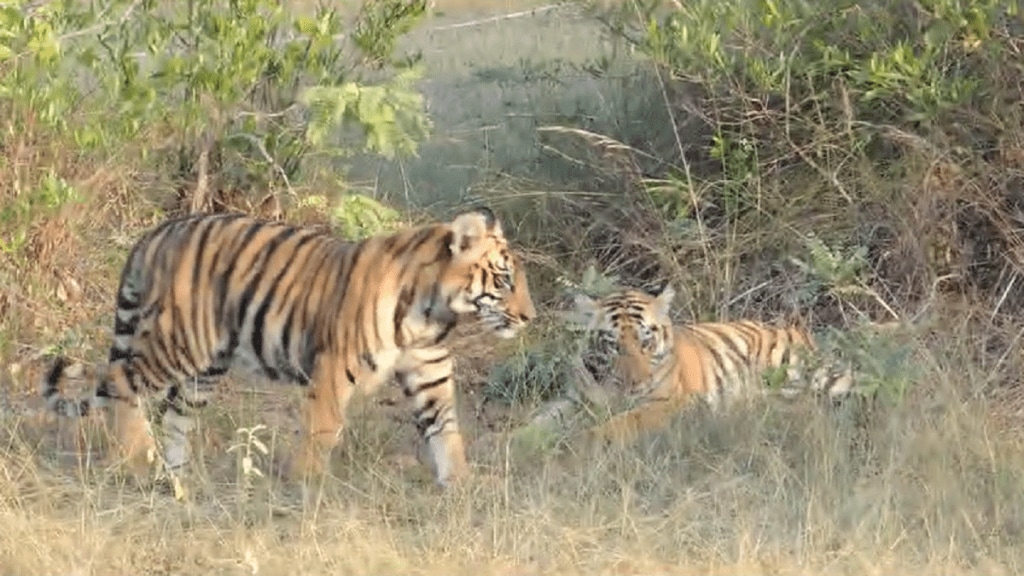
{"x":202,"y":292}
{"x":632,"y":342}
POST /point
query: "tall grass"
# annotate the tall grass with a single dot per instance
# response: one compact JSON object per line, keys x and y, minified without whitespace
{"x":932,"y":485}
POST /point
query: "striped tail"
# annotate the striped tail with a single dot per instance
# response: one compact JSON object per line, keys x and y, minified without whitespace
{"x":126,"y":321}
{"x":56,"y":402}
{"x":128,"y":311}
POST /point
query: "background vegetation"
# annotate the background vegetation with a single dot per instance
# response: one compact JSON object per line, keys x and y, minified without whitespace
{"x":834,"y":164}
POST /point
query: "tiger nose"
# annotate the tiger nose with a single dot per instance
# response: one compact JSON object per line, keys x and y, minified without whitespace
{"x":631,"y":364}
{"x":632,"y":370}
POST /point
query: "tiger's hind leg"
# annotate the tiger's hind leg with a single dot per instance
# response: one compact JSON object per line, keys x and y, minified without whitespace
{"x":177,"y":412}
{"x":425,"y":376}
{"x":152,"y":353}
{"x":128,"y":383}
{"x":133,"y":445}
{"x":323,"y":419}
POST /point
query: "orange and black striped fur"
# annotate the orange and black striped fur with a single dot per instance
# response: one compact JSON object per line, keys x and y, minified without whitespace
{"x":201,"y":293}
{"x":663,"y":367}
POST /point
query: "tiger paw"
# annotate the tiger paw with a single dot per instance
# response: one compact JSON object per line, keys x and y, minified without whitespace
{"x":176,"y":485}
{"x":139,"y":464}
{"x":455,"y":476}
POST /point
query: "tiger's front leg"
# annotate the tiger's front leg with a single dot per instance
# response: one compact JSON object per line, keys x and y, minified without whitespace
{"x":625,"y":428}
{"x":425,"y":376}
{"x":323,"y":418}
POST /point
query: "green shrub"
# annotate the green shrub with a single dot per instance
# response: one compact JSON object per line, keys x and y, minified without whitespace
{"x":786,"y":83}
{"x":221,"y":95}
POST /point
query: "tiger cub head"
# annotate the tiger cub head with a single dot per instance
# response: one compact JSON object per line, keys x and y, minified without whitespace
{"x":485,"y":277}
{"x":629,"y":334}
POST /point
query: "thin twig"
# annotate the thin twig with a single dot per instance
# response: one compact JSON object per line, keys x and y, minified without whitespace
{"x":266,"y":156}
{"x":498,"y":18}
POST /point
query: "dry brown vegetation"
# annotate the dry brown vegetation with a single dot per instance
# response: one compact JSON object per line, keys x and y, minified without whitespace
{"x":931,"y":484}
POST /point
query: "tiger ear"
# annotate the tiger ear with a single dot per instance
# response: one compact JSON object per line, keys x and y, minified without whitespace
{"x":469,"y":228}
{"x":663,"y":302}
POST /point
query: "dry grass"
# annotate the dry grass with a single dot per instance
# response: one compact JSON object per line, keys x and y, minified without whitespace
{"x":929,"y":487}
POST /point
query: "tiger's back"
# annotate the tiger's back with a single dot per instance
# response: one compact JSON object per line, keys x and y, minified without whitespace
{"x":221,"y":276}
{"x":725,"y":361}
{"x":202,"y":293}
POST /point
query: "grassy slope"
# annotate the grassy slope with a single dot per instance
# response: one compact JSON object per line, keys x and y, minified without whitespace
{"x":933,"y":487}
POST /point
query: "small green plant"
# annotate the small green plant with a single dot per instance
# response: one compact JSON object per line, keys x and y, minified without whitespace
{"x":593,"y":282}
{"x":26,"y":205}
{"x":247,"y":446}
{"x":358,"y":216}
{"x":836,"y":272}
{"x":884,"y":362}
{"x":881,"y":364}
{"x":354,"y":216}
{"x":529,"y":376}
{"x":739,"y":165}
{"x":543,"y":371}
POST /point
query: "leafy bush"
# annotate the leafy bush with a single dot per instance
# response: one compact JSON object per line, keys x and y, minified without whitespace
{"x":789,"y":80}
{"x":813,"y":107}
{"x":225,"y":95}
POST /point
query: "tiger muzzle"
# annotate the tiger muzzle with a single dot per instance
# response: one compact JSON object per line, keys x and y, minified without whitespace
{"x":631,"y":365}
